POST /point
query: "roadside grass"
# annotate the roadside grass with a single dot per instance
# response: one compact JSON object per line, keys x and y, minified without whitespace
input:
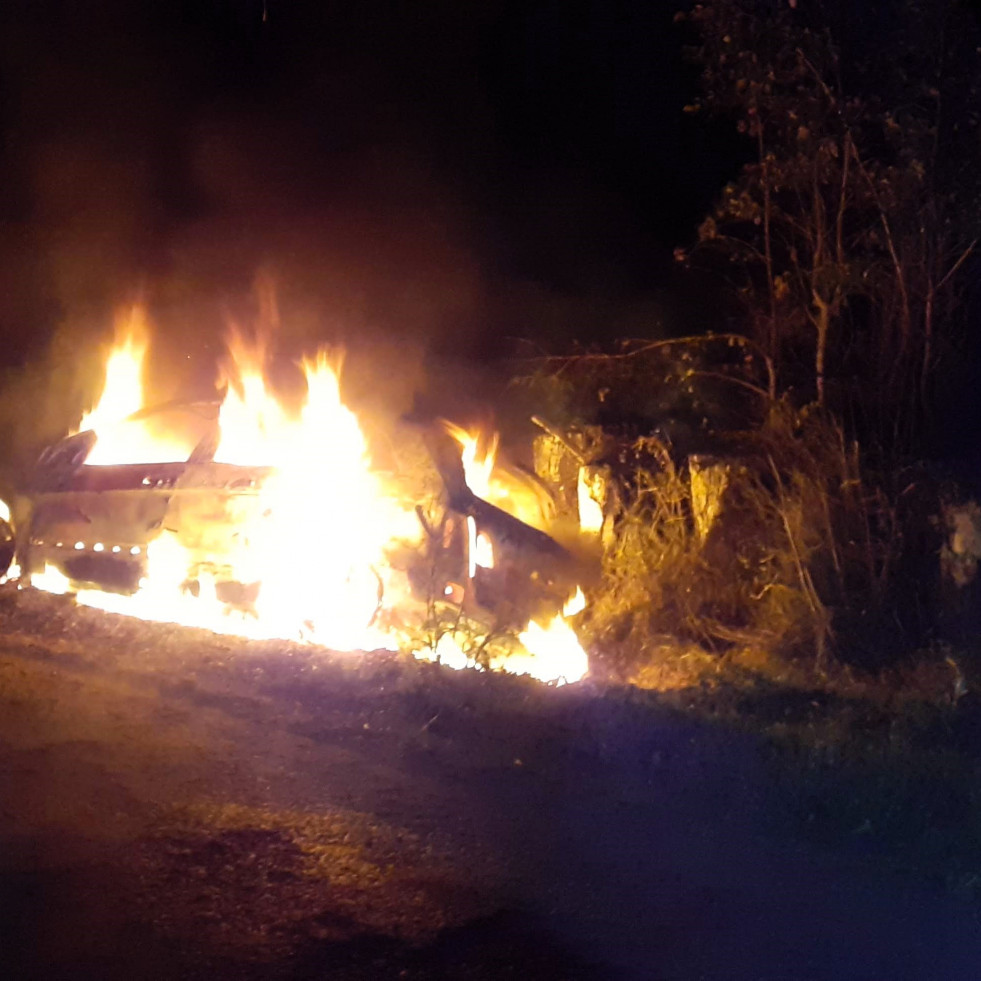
{"x":871,"y":767}
{"x":896,"y":790}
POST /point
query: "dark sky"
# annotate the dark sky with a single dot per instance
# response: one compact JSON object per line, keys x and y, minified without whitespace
{"x":451,"y":173}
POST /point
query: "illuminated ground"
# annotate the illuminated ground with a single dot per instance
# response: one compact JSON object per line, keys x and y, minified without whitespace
{"x":180,"y":805}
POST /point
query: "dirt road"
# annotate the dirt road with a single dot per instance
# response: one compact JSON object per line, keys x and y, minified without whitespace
{"x":175,"y":804}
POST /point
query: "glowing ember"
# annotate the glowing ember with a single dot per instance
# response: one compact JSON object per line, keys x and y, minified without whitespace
{"x":311,"y":541}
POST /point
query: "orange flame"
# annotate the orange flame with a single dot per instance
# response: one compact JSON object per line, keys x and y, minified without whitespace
{"x":121,"y":439}
{"x":501,"y":486}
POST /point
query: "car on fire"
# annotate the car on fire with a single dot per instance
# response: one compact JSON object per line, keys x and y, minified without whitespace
{"x":94,"y":523}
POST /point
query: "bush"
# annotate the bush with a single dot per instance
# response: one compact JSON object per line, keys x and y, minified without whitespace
{"x":802,"y":560}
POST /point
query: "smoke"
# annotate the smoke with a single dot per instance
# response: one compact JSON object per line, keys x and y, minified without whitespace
{"x":377,"y":162}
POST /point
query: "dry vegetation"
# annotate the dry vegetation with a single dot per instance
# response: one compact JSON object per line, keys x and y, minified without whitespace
{"x":794,"y":538}
{"x":763,"y":542}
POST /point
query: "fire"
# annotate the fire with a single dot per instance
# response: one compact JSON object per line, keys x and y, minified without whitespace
{"x":501,"y":486}
{"x":324,"y":495}
{"x":590,"y":509}
{"x":120,"y":438}
{"x":122,"y":393}
{"x":551,"y":652}
{"x":252,"y":422}
{"x":478,"y":457}
{"x":52,"y":580}
{"x":313,"y":541}
{"x":554,"y":651}
{"x":575,"y":604}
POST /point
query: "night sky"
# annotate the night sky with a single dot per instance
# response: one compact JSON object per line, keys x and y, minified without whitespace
{"x":449,"y":175}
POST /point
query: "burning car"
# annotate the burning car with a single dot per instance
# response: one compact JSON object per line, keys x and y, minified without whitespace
{"x":239,"y":516}
{"x":94,"y":524}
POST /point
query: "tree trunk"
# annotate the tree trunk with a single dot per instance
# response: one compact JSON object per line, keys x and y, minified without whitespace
{"x":821,"y":323}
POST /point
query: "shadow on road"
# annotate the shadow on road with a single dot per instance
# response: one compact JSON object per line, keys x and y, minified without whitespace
{"x":73,"y":922}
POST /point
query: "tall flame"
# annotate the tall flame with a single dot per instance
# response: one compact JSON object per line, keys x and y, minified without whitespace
{"x":121,"y":439}
{"x":122,"y":393}
{"x":478,"y":457}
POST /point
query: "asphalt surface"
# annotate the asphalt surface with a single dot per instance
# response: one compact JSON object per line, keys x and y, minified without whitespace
{"x":176,"y":804}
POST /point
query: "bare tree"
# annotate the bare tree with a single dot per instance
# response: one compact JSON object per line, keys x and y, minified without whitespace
{"x":848,"y":236}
